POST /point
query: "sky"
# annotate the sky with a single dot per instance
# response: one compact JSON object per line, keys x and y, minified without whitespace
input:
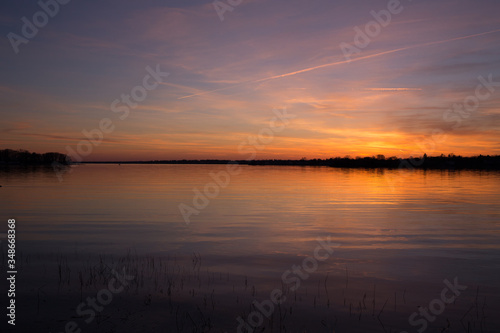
{"x":401,"y":86}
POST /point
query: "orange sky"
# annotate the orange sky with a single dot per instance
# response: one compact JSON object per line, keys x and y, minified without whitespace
{"x":401,"y":94}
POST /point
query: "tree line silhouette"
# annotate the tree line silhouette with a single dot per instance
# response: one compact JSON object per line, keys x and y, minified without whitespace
{"x":24,"y":157}
{"x":451,"y":161}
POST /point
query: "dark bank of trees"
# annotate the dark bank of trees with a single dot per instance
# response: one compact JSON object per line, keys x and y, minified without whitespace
{"x":380,"y":161}
{"x":450,"y":162}
{"x":24,"y":157}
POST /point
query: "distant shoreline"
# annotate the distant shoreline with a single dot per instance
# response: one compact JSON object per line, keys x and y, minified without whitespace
{"x":437,"y":162}
{"x":9,"y":158}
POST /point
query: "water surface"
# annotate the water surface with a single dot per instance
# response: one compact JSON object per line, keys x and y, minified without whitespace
{"x":403,"y":231}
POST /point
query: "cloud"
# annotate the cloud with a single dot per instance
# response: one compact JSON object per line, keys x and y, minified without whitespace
{"x":342,"y":62}
{"x":393,"y":89}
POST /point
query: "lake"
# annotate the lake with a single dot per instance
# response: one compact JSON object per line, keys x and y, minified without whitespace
{"x":396,"y":242}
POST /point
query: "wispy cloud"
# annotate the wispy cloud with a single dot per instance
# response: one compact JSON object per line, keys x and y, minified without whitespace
{"x":305,"y":70}
{"x":393,"y":89}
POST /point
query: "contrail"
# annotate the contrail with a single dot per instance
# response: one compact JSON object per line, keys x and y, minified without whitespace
{"x":343,"y":62}
{"x":393,"y":89}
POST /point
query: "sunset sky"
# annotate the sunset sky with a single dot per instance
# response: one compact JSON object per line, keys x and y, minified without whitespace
{"x":226,"y":77}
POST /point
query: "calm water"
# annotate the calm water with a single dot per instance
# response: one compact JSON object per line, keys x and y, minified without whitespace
{"x":401,"y":230}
